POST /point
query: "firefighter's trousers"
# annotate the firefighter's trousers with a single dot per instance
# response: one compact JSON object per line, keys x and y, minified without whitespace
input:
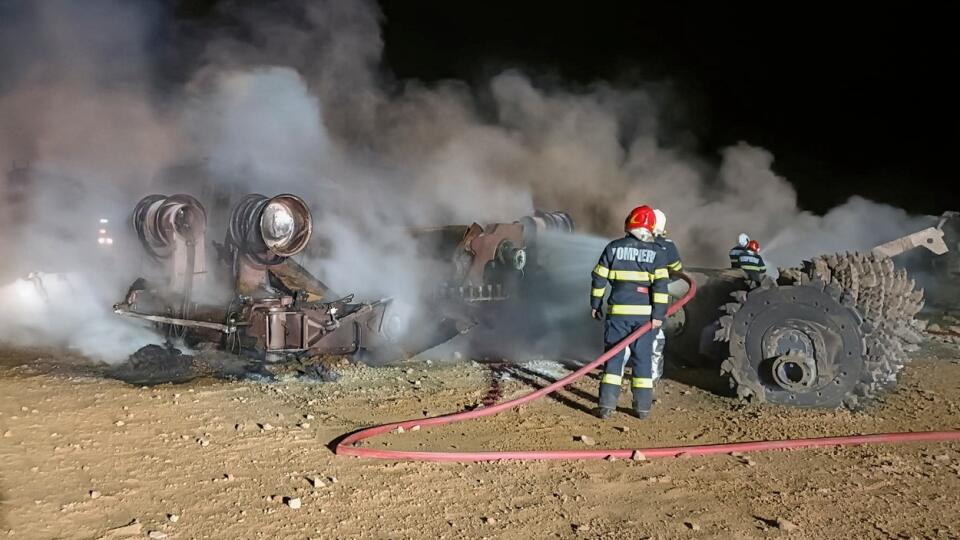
{"x":638,"y":355}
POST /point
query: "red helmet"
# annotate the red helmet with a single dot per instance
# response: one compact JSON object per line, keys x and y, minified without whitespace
{"x":641,"y":217}
{"x":754,"y":246}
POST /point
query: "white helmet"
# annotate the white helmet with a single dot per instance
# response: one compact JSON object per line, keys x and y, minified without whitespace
{"x":660,"y":225}
{"x":743,"y":239}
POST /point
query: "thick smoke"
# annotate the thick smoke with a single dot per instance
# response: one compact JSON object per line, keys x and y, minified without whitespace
{"x":294,"y":98}
{"x":76,"y":106}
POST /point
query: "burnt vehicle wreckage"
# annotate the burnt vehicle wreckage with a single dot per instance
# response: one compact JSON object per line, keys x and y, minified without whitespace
{"x":834,"y":332}
{"x":275,"y":310}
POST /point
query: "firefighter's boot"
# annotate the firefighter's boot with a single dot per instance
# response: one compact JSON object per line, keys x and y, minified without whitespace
{"x":609,"y":394}
{"x":642,"y":401}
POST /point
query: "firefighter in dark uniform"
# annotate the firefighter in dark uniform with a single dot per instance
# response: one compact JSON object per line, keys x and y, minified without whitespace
{"x":738,"y":250}
{"x":635,"y":268}
{"x":673,"y":265}
{"x":752,"y":263}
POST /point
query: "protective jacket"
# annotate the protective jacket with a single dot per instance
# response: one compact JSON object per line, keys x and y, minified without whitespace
{"x":752,"y":263}
{"x":637,"y":274}
{"x":671,"y":253}
{"x":735,"y":254}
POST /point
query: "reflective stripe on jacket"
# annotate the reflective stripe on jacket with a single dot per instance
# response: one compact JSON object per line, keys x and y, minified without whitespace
{"x":752,"y":262}
{"x":638,"y":277}
{"x":735,"y":254}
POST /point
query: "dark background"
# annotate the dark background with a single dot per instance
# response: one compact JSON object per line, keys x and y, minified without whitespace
{"x":858,"y":102}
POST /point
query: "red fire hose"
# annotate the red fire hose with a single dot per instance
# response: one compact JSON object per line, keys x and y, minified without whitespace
{"x":347,"y":447}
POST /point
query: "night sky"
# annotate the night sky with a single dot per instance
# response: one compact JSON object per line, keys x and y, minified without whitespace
{"x":849,"y":103}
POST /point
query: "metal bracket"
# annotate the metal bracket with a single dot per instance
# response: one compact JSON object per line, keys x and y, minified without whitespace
{"x":226,"y":329}
{"x":931,"y":239}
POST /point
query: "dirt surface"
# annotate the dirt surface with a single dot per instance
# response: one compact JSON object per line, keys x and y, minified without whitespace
{"x":82,"y":456}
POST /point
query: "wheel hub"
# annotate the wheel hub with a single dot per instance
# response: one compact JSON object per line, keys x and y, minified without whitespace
{"x":794,"y":371}
{"x":794,"y":348}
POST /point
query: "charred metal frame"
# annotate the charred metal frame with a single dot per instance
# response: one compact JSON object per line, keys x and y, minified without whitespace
{"x":277,"y":308}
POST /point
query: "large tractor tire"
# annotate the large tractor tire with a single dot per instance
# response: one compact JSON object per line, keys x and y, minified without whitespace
{"x":835,"y":332}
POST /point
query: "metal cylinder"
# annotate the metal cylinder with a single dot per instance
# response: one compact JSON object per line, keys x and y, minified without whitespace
{"x":159,"y":220}
{"x":541,"y":221}
{"x":269,"y":230}
{"x":511,"y":256}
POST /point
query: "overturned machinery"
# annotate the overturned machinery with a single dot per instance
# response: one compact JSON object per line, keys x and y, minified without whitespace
{"x":834,"y":332}
{"x":253,"y":299}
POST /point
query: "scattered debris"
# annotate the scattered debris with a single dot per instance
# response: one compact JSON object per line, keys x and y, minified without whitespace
{"x":304,"y":425}
{"x":157,"y":535}
{"x":265,"y":426}
{"x":415,"y":428}
{"x":94,"y":494}
{"x":316,"y":482}
{"x":294,"y":502}
{"x":623,"y":429}
{"x":489,"y":520}
{"x":119,"y":423}
{"x":585,"y":439}
{"x":638,"y":456}
{"x":308,"y":416}
{"x":942,"y":457}
{"x":399,"y":429}
{"x":173,"y":518}
{"x":786,"y":525}
{"x":692,"y":526}
{"x":611,"y":457}
{"x":134,"y":528}
{"x":203,"y":441}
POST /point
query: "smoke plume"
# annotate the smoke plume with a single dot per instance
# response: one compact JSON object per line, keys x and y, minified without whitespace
{"x":294,"y":98}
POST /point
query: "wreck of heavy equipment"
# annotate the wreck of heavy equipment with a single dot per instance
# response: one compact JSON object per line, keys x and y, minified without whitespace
{"x":834,"y":332}
{"x":274,"y":309}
